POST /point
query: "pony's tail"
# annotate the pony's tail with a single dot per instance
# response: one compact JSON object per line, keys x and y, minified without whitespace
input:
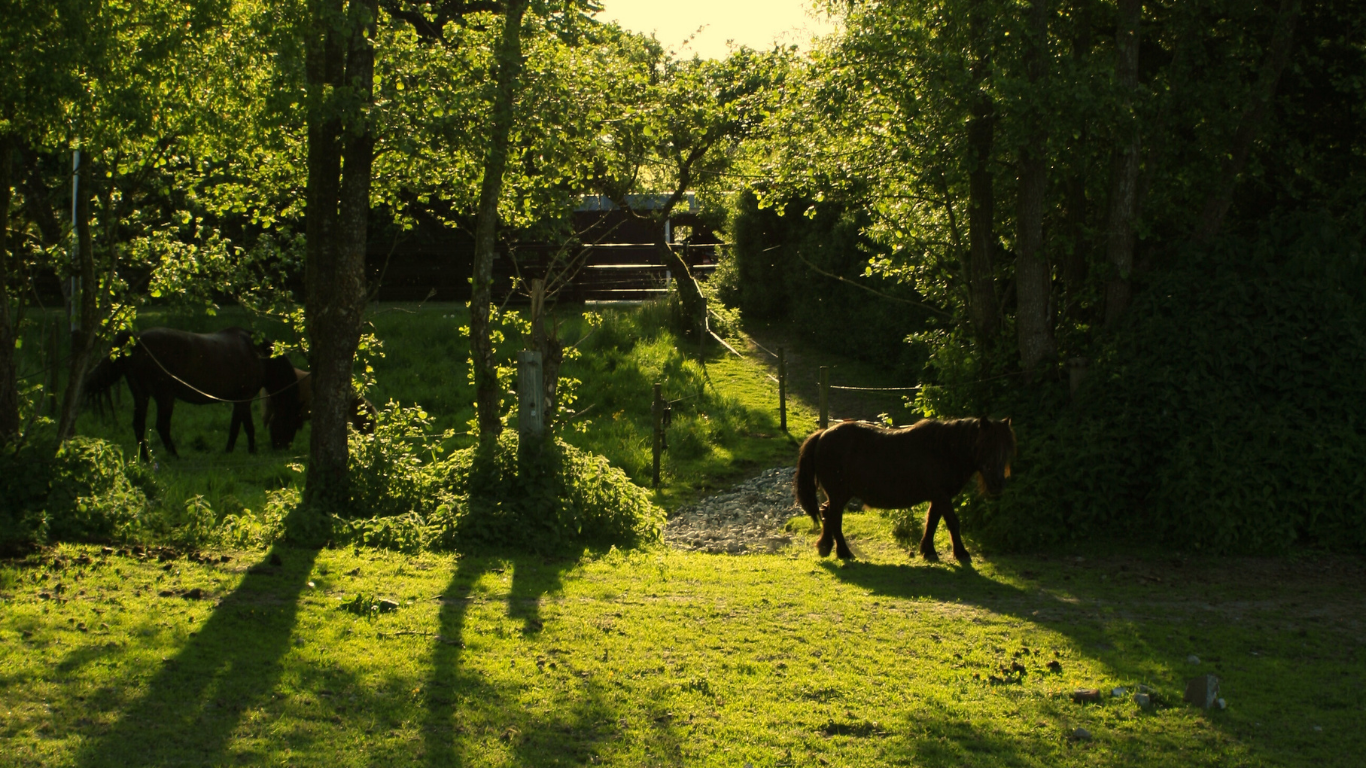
{"x":99,"y":382}
{"x":805,"y":481}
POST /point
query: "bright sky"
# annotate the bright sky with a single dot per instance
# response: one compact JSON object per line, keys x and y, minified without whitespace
{"x":755,"y":23}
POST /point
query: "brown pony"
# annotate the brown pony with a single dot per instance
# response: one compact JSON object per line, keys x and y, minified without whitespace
{"x":165,"y":365}
{"x":282,"y":430}
{"x":899,"y":468}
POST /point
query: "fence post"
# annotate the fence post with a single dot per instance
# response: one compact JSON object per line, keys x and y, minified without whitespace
{"x":825,"y":397}
{"x":657,"y":413}
{"x":530,"y":398}
{"x":782,"y":389}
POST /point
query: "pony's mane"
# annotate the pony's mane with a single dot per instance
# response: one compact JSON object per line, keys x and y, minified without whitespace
{"x":960,"y":434}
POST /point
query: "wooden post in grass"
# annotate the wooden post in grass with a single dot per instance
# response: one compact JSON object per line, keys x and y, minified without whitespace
{"x":530,"y":398}
{"x":657,"y":412}
{"x":782,"y":389}
{"x":825,"y":397}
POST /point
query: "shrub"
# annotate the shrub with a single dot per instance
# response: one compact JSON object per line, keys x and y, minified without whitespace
{"x":393,"y":469}
{"x":87,"y":492}
{"x":553,"y":499}
{"x":407,"y":499}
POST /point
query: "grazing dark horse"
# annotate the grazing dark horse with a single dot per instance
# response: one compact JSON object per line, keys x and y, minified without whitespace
{"x":166,"y":365}
{"x":899,"y":468}
{"x":282,"y":430}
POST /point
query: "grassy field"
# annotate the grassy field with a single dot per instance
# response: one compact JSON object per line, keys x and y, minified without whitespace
{"x":656,"y":657}
{"x":665,"y":658}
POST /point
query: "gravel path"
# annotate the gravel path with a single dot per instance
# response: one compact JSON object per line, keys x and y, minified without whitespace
{"x":749,"y":517}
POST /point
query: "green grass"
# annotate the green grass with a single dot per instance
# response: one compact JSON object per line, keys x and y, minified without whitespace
{"x":653,"y":657}
{"x":666,"y":658}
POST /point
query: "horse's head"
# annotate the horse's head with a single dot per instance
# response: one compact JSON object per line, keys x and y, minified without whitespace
{"x":995,"y":450}
{"x":282,"y":387}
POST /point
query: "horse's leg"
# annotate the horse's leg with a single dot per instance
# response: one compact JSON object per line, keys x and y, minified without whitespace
{"x":241,"y":419}
{"x":247,"y":424}
{"x":959,"y":551}
{"x":166,"y":404}
{"x":140,"y":424}
{"x":832,"y":518}
{"x":841,"y":546}
{"x":931,"y":525}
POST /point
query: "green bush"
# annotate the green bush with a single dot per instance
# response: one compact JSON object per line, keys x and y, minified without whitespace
{"x":87,"y":492}
{"x":406,"y":498}
{"x":393,"y":469}
{"x":1227,"y":416}
{"x":553,"y":499}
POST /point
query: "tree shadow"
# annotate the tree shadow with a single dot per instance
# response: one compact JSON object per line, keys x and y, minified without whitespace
{"x":198,"y":698}
{"x":466,"y":708}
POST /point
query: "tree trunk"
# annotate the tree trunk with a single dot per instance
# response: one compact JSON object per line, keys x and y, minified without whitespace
{"x":981,"y":202}
{"x":1124,"y":173}
{"x":83,"y":337}
{"x":1254,"y":115}
{"x":546,"y":340}
{"x":487,"y":393}
{"x":9,"y":385}
{"x":690,"y":298}
{"x":1033,"y":278}
{"x":1074,"y":266}
{"x":340,"y":154}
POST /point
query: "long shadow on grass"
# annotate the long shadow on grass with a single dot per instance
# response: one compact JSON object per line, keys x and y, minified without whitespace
{"x":1077,"y":620}
{"x":1081,"y":620}
{"x":469,"y":709}
{"x":197,"y":699}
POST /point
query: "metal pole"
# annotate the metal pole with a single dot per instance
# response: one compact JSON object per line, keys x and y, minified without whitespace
{"x":782,"y":389}
{"x":657,"y":411}
{"x":75,"y":240}
{"x":825,"y":397}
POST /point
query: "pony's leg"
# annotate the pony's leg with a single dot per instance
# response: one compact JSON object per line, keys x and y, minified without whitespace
{"x":827,"y":541}
{"x":959,"y":551}
{"x":140,"y":424}
{"x":931,"y":525}
{"x":247,"y":425}
{"x":164,"y":407}
{"x":832,"y":521}
{"x":842,"y":550}
{"x":233,"y":426}
{"x":241,"y":418}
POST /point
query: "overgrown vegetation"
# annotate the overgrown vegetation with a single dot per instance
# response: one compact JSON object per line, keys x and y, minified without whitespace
{"x":1225,"y":416}
{"x":417,"y":482}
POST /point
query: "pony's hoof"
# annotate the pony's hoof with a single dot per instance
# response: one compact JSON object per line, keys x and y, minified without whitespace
{"x":845,"y":555}
{"x":963,"y":557}
{"x":823,"y":549}
{"x":930,"y":555}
